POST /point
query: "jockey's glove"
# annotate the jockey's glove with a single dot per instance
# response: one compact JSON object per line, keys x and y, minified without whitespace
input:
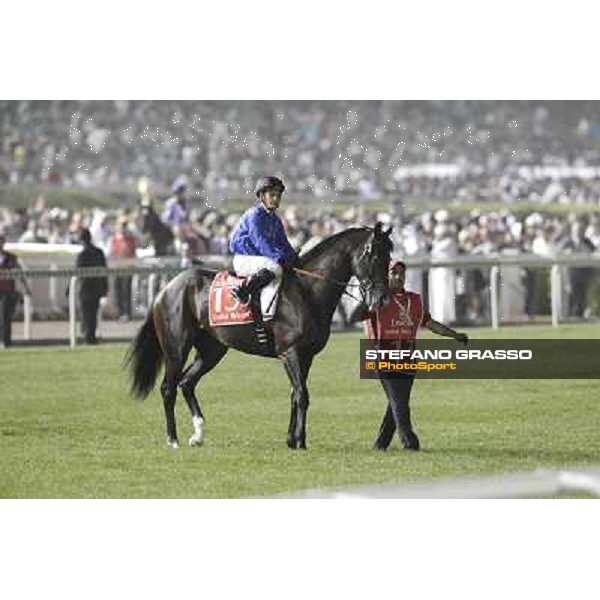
{"x":288,"y":265}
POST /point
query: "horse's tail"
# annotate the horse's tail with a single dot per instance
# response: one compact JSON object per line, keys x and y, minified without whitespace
{"x":144,"y":358}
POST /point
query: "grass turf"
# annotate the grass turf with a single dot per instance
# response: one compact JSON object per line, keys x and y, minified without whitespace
{"x":68,"y":428}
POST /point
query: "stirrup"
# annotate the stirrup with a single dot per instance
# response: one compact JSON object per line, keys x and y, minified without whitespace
{"x":261,"y":334}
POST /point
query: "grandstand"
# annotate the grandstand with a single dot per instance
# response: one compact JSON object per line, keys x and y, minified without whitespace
{"x":325,"y":149}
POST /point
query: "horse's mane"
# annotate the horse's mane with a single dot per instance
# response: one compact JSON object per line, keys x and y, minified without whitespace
{"x":325,"y":244}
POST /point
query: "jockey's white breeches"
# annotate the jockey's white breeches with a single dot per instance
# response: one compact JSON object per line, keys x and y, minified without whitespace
{"x":245,"y":265}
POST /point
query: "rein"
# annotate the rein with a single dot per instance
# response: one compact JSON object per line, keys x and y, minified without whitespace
{"x":316,"y":275}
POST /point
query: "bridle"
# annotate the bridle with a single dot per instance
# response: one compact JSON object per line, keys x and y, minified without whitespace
{"x":369,"y":282}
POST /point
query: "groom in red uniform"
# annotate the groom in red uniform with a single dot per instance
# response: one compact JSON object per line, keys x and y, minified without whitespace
{"x":395,"y":326}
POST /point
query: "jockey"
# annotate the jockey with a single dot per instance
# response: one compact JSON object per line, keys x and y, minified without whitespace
{"x":175,"y":212}
{"x":259,"y":243}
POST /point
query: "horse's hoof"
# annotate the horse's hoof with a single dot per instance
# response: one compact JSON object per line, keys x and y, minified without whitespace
{"x":379,"y":447}
{"x":410,"y":441}
{"x":296,"y":444}
{"x":195,"y":441}
{"x":197,"y":437}
{"x":174,"y":444}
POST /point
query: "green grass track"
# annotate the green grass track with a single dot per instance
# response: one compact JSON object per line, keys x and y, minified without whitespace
{"x":68,"y":428}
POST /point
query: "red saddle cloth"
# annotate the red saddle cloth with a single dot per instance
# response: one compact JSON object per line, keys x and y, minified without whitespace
{"x":223,"y":307}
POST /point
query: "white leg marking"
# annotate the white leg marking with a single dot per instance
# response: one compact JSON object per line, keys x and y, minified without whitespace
{"x":198,"y":437}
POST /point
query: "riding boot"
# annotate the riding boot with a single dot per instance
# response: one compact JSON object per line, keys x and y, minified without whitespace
{"x":251,"y":289}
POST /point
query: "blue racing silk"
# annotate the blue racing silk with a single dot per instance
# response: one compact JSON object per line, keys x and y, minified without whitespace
{"x":260,"y":232}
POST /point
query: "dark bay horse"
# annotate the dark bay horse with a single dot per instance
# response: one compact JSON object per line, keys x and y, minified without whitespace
{"x":178,"y":321}
{"x":161,"y":234}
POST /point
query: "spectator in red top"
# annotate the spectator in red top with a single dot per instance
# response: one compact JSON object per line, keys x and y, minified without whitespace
{"x":123,"y":246}
{"x":395,"y":325}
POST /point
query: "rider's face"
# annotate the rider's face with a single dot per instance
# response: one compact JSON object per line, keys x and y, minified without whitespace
{"x":397,"y":278}
{"x":271,"y":199}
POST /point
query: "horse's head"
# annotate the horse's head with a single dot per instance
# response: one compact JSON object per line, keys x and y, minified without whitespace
{"x":371,"y":266}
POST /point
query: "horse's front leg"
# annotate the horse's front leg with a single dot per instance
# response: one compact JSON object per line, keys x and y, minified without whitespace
{"x":292,"y":426}
{"x":297,"y":366}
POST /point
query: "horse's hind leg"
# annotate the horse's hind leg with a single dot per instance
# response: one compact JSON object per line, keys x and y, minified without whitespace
{"x":209,"y":353}
{"x":168,"y":390}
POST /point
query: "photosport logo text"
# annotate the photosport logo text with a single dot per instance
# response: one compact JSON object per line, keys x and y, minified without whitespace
{"x":483,"y":359}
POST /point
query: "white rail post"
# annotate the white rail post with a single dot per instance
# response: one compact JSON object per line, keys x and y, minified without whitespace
{"x":494,"y":271}
{"x":555,"y":293}
{"x":52,"y":289}
{"x":135,"y":290}
{"x":151,"y":284}
{"x":26,"y":317}
{"x":100,"y":322}
{"x":73,"y":312}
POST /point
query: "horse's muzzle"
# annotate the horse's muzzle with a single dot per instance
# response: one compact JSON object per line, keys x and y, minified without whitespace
{"x":376,"y":298}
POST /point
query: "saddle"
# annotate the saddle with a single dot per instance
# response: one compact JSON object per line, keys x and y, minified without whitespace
{"x":225,"y":309}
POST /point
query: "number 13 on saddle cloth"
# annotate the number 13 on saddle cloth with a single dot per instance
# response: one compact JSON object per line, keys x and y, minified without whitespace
{"x":225,"y":309}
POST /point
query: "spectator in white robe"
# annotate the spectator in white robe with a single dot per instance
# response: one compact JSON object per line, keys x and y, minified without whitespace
{"x":413,"y":247}
{"x":442,"y":280}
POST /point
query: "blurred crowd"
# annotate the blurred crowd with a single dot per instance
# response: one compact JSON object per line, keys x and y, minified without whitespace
{"x":544,"y":152}
{"x":466,"y":150}
{"x":208,"y":228}
{"x":463,"y":295}
{"x":454,"y":295}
